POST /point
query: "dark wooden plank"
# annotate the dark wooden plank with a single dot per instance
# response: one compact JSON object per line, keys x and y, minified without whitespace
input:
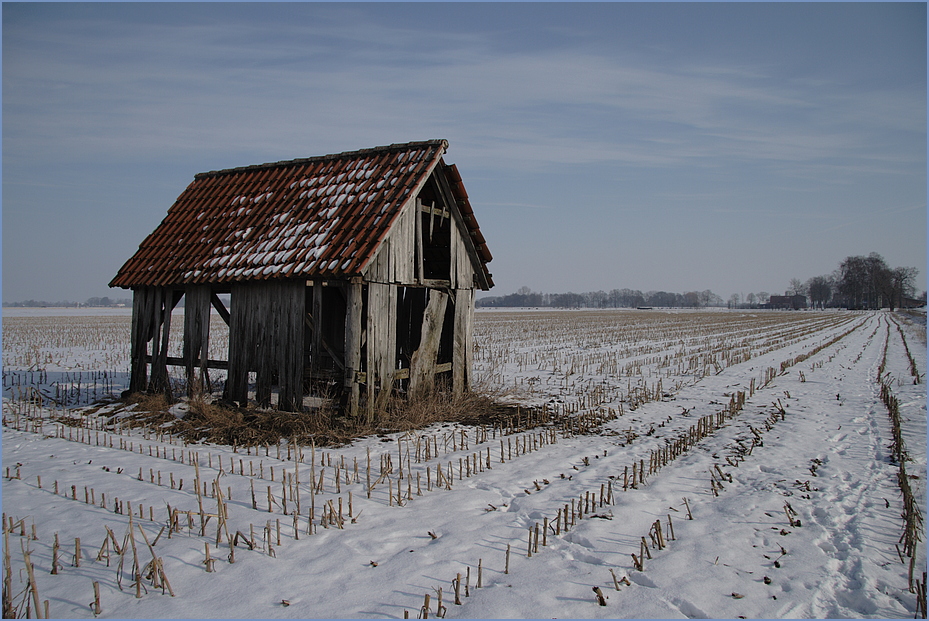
{"x":289,"y":344}
{"x":461,"y":349}
{"x":420,"y":274}
{"x":239,"y":346}
{"x":140,"y":334}
{"x":196,"y":338}
{"x":159,"y":370}
{"x":264,"y":298}
{"x":317,"y":313}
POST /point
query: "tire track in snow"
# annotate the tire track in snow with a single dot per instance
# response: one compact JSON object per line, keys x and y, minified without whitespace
{"x":841,"y":517}
{"x":842,"y":514}
{"x":575,"y":547}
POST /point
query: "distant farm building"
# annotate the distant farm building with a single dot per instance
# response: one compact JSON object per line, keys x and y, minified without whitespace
{"x":787,"y":302}
{"x":349,"y":275}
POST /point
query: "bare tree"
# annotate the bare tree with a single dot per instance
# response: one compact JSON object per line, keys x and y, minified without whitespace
{"x":820,"y":290}
{"x":708,"y":298}
{"x":596,"y":299}
{"x":867,"y":282}
{"x":901,"y":281}
{"x":852,"y":280}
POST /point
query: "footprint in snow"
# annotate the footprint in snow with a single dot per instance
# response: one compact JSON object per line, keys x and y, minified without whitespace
{"x":642,"y":579}
{"x":577,"y":539}
{"x":688,"y":609}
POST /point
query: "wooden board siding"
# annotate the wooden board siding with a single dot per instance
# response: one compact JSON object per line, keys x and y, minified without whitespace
{"x":395,"y":262}
{"x":462,"y":351}
{"x":353,"y":329}
{"x":197,"y":304}
{"x":316,"y":319}
{"x":399,"y":259}
{"x":143,"y":303}
{"x":462,"y":271}
{"x":151,"y":321}
{"x":381,"y":345}
{"x":168,"y":299}
{"x":403,"y":265}
{"x":266,"y":336}
{"x":468,"y":246}
{"x":289,"y":341}
{"x":399,"y":263}
{"x":159,"y":371}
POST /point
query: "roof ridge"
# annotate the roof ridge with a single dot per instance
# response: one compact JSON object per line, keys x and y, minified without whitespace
{"x":334,"y":156}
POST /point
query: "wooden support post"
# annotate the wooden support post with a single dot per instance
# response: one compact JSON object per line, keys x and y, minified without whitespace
{"x":422,"y":363}
{"x":352,"y":345}
{"x":196,"y":337}
{"x":462,"y":349}
{"x":381,"y":345}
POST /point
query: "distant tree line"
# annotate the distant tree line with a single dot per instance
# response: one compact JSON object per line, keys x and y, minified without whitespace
{"x":617,"y":298}
{"x":858,"y":283}
{"x":91,"y":302}
{"x":861,"y":283}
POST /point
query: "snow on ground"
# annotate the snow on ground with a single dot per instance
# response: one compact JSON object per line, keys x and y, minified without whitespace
{"x":805,"y":520}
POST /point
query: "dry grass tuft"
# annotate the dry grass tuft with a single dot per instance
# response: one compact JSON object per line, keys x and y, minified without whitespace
{"x":470,"y":408}
{"x":221,"y":423}
{"x":156,"y":402}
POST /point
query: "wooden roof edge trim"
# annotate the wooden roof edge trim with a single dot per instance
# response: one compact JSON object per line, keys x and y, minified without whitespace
{"x":444,"y":183}
{"x":323,"y":158}
{"x":456,"y":185}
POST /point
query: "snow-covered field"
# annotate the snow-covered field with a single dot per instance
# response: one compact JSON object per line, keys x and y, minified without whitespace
{"x":767,"y":428}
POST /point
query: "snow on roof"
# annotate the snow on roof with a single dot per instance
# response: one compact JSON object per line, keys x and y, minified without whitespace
{"x":314,"y":217}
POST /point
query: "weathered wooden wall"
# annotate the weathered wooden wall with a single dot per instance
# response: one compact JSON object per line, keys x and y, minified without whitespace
{"x":353,"y":329}
{"x":462,"y":356}
{"x":462,"y":271}
{"x":266,"y":336}
{"x":143,"y":320}
{"x":397,"y":266}
{"x":197,"y":304}
{"x":151,"y":321}
{"x":395,"y":262}
{"x":381,"y":345}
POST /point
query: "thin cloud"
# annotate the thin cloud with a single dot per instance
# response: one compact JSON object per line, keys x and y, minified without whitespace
{"x":877,"y":214}
{"x":528,"y":97}
{"x":542,"y":114}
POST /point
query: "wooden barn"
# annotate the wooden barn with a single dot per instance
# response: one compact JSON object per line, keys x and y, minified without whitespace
{"x":349,"y":276}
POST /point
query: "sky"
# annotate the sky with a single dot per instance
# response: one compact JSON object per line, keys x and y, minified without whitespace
{"x":654,"y":146}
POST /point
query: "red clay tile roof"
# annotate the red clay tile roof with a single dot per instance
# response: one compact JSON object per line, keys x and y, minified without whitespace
{"x":321,"y":217}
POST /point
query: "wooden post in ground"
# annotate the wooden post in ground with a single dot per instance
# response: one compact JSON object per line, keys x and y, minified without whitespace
{"x":422,"y":363}
{"x":352,"y":345}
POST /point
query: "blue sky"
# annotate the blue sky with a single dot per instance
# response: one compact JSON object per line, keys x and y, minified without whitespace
{"x":655,"y":146}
